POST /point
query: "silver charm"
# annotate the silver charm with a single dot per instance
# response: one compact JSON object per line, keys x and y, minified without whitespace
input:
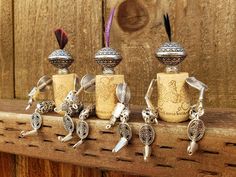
{"x":82,"y":128}
{"x":108,"y":58}
{"x":36,"y":118}
{"x":126,"y":134}
{"x":196,"y":130}
{"x":61,"y":59}
{"x":146,"y":132}
{"x":123,"y":95}
{"x":41,"y":87}
{"x":196,"y":127}
{"x":147,"y":136}
{"x":69,"y":127}
{"x":36,"y":123}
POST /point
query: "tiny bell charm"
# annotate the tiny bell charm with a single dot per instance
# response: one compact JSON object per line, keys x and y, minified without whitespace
{"x":36,"y":118}
{"x":146,"y":132}
{"x":82,"y":128}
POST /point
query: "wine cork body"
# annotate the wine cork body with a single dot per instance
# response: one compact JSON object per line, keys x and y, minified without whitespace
{"x":62,"y":85}
{"x":173,"y":97}
{"x":106,"y":94}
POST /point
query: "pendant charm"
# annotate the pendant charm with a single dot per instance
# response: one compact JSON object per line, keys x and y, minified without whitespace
{"x":196,"y":130}
{"x":36,"y":118}
{"x":82,"y":130}
{"x":36,"y":123}
{"x":126,"y":134}
{"x":147,"y":136}
{"x":69,"y":127}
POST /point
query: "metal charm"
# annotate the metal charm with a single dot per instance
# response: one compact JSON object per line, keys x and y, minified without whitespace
{"x":126,"y":134}
{"x":108,"y":58}
{"x":41,"y":87}
{"x":36,"y":118}
{"x":36,"y":122}
{"x":196,"y":127}
{"x":196,"y":130}
{"x":147,"y":136}
{"x":69,"y":127}
{"x":123,"y":95}
{"x":82,"y":128}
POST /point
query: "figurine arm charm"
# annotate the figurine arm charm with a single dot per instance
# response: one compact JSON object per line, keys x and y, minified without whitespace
{"x":41,"y":87}
{"x":196,"y":127}
{"x":123,"y":95}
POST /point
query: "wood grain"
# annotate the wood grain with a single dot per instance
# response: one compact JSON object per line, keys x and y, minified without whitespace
{"x":7,"y":161}
{"x":34,"y":22}
{"x":206,"y":29}
{"x":216,"y":155}
{"x":6,"y":50}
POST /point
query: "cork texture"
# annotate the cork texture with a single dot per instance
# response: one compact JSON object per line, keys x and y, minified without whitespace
{"x":62,"y":84}
{"x":173,"y":97}
{"x":106,"y":94}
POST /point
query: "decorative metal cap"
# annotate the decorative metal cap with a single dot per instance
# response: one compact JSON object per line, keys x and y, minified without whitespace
{"x":61,"y":59}
{"x":108,"y":58}
{"x":171,"y":54}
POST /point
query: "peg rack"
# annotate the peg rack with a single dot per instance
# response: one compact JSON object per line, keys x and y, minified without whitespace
{"x":216,"y":156}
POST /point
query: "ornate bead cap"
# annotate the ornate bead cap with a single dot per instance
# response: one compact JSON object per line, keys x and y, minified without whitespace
{"x":61,"y":59}
{"x":171,"y":54}
{"x":108,"y":58}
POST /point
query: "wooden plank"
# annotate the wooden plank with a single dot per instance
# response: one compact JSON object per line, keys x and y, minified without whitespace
{"x":6,"y":49}
{"x":7,"y":161}
{"x":33,"y":167}
{"x":137,"y":32}
{"x":34,"y":22}
{"x":169,"y":155}
{"x":7,"y":165}
{"x":34,"y":39}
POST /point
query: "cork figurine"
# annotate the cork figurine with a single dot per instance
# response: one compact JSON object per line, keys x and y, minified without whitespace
{"x":111,"y":91}
{"x":173,"y":99}
{"x":62,"y":83}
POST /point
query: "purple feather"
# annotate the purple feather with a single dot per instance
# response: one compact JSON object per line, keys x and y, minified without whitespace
{"x":108,"y":27}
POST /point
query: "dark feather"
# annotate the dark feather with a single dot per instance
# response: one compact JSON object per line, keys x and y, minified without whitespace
{"x":61,"y":36}
{"x":167,"y":26}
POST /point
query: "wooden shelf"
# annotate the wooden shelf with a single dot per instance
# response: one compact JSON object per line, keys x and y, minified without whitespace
{"x":216,"y":157}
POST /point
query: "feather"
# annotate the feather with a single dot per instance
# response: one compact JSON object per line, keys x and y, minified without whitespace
{"x":62,"y":37}
{"x":108,"y":27}
{"x":167,"y":26}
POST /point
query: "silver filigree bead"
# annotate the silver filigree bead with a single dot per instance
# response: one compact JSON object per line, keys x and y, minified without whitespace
{"x":61,"y":59}
{"x":108,"y":58}
{"x":171,"y":54}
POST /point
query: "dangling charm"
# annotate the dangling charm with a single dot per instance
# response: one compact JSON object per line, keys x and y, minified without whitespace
{"x":125,"y":133}
{"x":196,"y":130}
{"x":146,"y":132}
{"x":36,"y":118}
{"x":69,"y":127}
{"x":124,"y":130}
{"x":82,"y":128}
{"x":196,"y":127}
